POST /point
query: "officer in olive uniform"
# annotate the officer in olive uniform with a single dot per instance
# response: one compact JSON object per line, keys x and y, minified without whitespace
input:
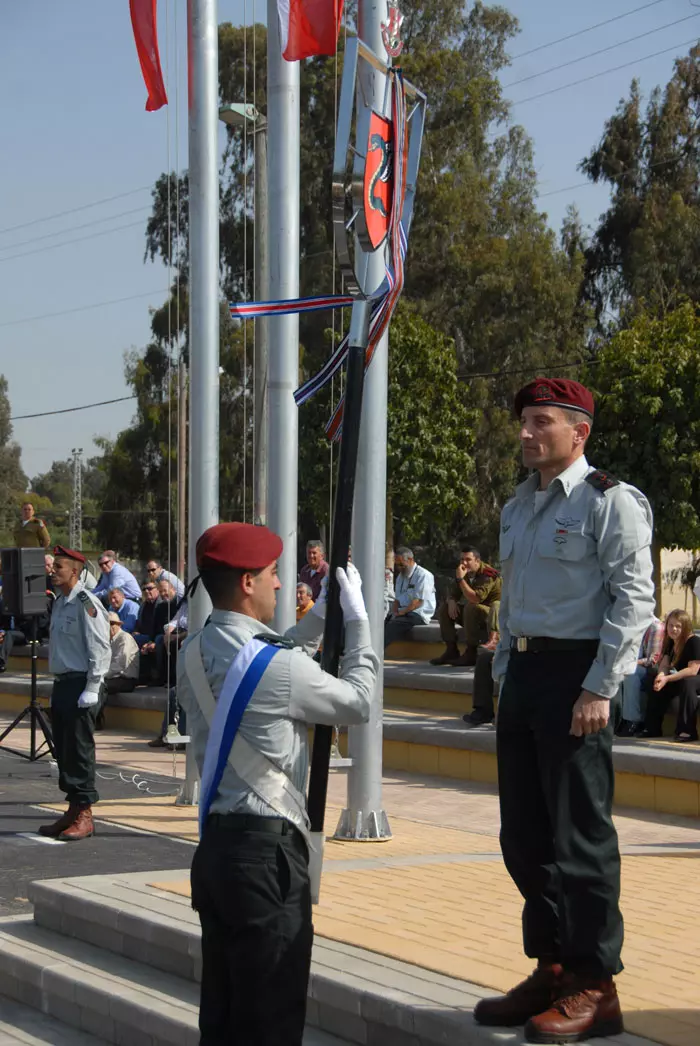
{"x":475,"y":599}
{"x":250,"y":696}
{"x":577,"y":597}
{"x":79,"y":658}
{"x":31,"y":532}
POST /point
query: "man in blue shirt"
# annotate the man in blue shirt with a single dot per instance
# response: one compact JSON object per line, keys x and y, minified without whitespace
{"x":156,"y":572}
{"x":127,"y":609}
{"x":114,"y":575}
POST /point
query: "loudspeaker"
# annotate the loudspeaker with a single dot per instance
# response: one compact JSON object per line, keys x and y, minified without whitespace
{"x":24,"y":581}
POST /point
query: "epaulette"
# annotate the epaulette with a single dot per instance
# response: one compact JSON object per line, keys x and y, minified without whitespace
{"x":489,"y":572}
{"x":88,"y":605}
{"x":274,"y":640}
{"x":602,"y":481}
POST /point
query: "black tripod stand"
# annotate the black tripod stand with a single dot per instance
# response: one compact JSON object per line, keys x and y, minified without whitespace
{"x":37,"y":715}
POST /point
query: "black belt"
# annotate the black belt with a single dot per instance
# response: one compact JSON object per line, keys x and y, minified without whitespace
{"x":541,"y":644}
{"x":250,"y":823}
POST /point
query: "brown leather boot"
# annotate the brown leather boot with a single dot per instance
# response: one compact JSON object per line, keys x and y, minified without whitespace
{"x":449,"y":654}
{"x":53,"y":830}
{"x":81,"y":828}
{"x":587,"y":1008}
{"x":468,"y":658}
{"x":533,"y":995}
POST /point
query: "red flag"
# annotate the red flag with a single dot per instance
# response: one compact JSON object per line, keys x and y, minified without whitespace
{"x":309,"y":27}
{"x":143,"y":20}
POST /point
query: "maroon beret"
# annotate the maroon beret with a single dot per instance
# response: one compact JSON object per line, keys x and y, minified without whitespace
{"x":69,"y":553}
{"x":238,"y":545}
{"x":555,"y":392}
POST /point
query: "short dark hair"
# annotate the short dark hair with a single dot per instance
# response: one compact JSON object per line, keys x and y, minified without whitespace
{"x":221,"y":584}
{"x":471,"y":548}
{"x":316,"y":543}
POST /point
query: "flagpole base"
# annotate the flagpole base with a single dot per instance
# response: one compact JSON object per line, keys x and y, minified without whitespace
{"x":361,"y":827}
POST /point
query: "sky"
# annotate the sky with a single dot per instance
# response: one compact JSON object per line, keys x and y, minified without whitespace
{"x":75,"y":133}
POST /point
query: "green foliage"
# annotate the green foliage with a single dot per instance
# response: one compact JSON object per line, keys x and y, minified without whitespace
{"x":647,"y":426}
{"x":13,"y":481}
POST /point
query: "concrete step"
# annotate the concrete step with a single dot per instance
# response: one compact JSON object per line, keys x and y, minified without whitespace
{"x":415,"y":684}
{"x":23,"y":1026}
{"x":361,"y":996}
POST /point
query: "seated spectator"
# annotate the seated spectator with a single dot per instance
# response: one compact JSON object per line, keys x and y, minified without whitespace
{"x":677,"y":677}
{"x":174,"y":714}
{"x":636,"y":685}
{"x":126,"y":609}
{"x":147,"y":625}
{"x":114,"y":575}
{"x":155,"y":572}
{"x":389,"y":594}
{"x":474,"y":601}
{"x":123,"y":672}
{"x":304,"y":600}
{"x":315,"y":568}
{"x":414,"y":603}
{"x":174,"y":632}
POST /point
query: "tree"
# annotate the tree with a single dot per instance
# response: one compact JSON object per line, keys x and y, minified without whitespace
{"x":647,"y":425}
{"x":645,"y":253}
{"x":13,"y":481}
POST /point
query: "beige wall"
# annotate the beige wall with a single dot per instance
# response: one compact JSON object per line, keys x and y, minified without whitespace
{"x":675,"y":596}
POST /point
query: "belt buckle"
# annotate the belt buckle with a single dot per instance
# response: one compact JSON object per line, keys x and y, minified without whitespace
{"x":521,"y":644}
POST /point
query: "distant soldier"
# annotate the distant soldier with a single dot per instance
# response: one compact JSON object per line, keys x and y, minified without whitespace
{"x":31,"y":531}
{"x":473,"y":601}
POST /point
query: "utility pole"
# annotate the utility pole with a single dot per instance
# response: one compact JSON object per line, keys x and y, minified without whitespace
{"x":283,"y":331}
{"x":203,"y":64}
{"x":364,"y":817}
{"x":181,"y":468}
{"x":75,"y":529}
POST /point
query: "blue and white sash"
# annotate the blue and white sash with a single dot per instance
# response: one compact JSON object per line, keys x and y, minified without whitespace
{"x":241,"y":681}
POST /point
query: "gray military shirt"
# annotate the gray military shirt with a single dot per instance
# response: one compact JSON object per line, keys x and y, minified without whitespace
{"x":577,"y":565}
{"x":293,"y":692}
{"x":79,"y":637}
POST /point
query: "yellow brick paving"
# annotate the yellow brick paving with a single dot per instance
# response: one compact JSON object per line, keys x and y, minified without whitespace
{"x":462,"y":918}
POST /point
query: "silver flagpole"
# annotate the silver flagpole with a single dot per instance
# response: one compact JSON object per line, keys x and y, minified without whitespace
{"x":283,"y":331}
{"x":202,"y":46}
{"x":364,"y":817}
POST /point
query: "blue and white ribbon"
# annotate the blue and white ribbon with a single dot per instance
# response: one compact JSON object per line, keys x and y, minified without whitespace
{"x":241,"y":681}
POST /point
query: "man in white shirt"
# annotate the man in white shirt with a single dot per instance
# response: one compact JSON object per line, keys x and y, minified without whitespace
{"x":414,"y":602}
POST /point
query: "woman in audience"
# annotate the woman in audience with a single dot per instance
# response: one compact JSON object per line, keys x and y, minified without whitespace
{"x":677,"y":677}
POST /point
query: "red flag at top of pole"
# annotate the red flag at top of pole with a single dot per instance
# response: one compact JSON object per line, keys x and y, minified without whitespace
{"x":143,"y":20}
{"x":309,"y":27}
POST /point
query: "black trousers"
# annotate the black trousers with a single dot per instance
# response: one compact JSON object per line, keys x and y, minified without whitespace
{"x":251,"y":890}
{"x":557,"y":835}
{"x":73,"y":737}
{"x":687,"y":690}
{"x":396,"y":627}
{"x":482,"y":701}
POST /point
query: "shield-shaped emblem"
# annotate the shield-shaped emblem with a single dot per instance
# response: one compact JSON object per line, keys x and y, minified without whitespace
{"x":378,"y":179}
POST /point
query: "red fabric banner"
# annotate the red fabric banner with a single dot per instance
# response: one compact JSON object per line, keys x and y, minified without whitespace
{"x":309,"y":27}
{"x":143,"y":20}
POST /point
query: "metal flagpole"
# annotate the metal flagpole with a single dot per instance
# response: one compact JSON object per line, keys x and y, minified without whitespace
{"x":202,"y":46}
{"x":263,"y":293}
{"x":364,"y":817}
{"x":283,"y":331}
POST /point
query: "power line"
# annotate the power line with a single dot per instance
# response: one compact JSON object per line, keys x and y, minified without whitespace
{"x":602,"y":50}
{"x":80,"y":308}
{"x":75,"y":210}
{"x":529,"y":370}
{"x":588,"y":29}
{"x":605,"y":72}
{"x":74,"y":228}
{"x":610,"y":178}
{"x":71,"y":410}
{"x":68,"y":243}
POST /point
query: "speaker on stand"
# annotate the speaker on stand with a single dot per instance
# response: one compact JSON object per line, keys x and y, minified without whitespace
{"x":24,"y":595}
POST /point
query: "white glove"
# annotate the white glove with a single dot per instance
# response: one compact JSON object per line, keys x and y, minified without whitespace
{"x":319,"y":606}
{"x":87,"y":699}
{"x":351,"y":601}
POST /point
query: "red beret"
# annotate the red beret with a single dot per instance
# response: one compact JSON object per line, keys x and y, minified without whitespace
{"x":555,"y":392}
{"x":239,"y":545}
{"x":69,"y":553}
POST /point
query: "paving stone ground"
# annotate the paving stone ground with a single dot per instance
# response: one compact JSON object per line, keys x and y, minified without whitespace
{"x":437,"y":894}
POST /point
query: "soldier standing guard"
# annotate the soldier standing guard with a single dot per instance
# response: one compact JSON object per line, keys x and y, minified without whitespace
{"x":577,"y":597}
{"x":79,"y":658}
{"x":31,"y":531}
{"x":250,"y":696}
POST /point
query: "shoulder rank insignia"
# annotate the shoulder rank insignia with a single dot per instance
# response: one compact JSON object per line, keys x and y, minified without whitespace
{"x":489,"y":572}
{"x":602,"y":481}
{"x":274,"y":640}
{"x":88,"y":605}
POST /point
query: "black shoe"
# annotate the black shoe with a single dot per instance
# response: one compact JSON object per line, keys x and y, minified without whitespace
{"x":628,"y":728}
{"x":100,"y":721}
{"x":3,"y":666}
{"x":473,"y":720}
{"x":648,"y":733}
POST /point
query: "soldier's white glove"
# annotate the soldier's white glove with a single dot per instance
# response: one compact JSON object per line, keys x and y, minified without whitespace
{"x":319,"y":606}
{"x":351,"y":601}
{"x":87,"y":699}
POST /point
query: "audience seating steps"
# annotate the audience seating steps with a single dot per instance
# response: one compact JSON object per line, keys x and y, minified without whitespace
{"x":421,"y":644}
{"x":120,"y":959}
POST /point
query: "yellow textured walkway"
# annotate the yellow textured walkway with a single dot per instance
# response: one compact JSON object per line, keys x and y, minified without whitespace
{"x":441,"y":898}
